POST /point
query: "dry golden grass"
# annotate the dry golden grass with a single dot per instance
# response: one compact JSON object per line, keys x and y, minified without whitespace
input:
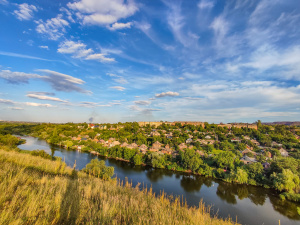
{"x":39,"y":191}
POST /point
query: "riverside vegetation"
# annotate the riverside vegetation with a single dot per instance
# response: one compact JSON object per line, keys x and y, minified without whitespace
{"x":267,"y":157}
{"x":37,"y":190}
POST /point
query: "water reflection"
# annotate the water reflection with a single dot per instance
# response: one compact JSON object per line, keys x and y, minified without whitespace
{"x":155,"y":175}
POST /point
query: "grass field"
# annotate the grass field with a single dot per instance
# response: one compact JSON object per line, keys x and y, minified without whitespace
{"x":40,"y":191}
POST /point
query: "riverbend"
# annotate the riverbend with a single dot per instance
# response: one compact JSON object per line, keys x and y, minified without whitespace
{"x":249,"y":204}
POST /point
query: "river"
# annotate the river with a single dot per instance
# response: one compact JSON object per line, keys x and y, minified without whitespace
{"x":249,"y":204}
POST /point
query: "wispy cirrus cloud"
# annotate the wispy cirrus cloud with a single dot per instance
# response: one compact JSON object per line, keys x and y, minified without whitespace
{"x":142,"y":102}
{"x":63,"y":82}
{"x":12,"y":54}
{"x":93,"y":104}
{"x":16,"y":104}
{"x":34,"y":104}
{"x":80,"y":50}
{"x":44,"y":97}
{"x":52,"y":28}
{"x":119,"y":88}
{"x":18,"y":77}
{"x":25,"y":11}
{"x":7,"y":101}
{"x":58,"y":81}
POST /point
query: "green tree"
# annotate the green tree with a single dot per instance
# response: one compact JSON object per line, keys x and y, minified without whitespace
{"x":225,"y":160}
{"x":138,"y":159}
{"x":98,"y":169}
{"x":286,"y":180}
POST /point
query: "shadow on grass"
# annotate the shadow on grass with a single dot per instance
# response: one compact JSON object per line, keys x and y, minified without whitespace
{"x":70,"y":205}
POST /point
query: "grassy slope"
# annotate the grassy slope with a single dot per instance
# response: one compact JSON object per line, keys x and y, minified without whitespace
{"x":39,"y":191}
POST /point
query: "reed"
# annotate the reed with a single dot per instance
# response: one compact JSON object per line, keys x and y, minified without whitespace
{"x":40,"y":191}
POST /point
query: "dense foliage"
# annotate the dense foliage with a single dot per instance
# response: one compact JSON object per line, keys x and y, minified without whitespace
{"x":221,"y":156}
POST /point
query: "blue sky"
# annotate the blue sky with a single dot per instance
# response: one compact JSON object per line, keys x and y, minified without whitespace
{"x":126,"y":60}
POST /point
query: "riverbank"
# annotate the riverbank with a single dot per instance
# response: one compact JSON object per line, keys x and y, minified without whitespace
{"x":42,"y":191}
{"x":220,"y":174}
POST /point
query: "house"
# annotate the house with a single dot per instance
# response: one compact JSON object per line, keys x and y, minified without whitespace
{"x":204,"y":142}
{"x":182,"y":146}
{"x":283,"y":152}
{"x":255,"y":142}
{"x":91,"y":126}
{"x":247,"y":138}
{"x":167,"y":150}
{"x":124,"y":144}
{"x":247,"y":160}
{"x":268,"y":154}
{"x":189,"y":140}
{"x":114,"y":143}
{"x":169,"y":135}
{"x":201,"y":153}
{"x":207,"y":137}
{"x":153,"y":149}
{"x":266,"y":165}
{"x":154,"y":133}
{"x":157,"y":145}
{"x":248,"y":151}
{"x":275,"y":144}
{"x":101,"y":141}
{"x":143,"y":149}
{"x":237,"y":140}
{"x":132,"y":146}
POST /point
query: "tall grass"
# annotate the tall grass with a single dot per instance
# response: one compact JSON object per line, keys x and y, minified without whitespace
{"x":39,"y":191}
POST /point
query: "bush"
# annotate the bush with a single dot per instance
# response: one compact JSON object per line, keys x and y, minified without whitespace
{"x":98,"y":169}
{"x":41,"y":153}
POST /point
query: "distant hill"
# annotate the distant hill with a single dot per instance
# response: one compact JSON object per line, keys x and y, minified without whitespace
{"x":289,"y":123}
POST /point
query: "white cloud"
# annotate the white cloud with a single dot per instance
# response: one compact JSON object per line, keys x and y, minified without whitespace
{"x":118,"y":26}
{"x":59,"y":81}
{"x":80,"y":50}
{"x":267,"y":57}
{"x":220,"y":27}
{"x":142,"y":102}
{"x":103,"y":12}
{"x":99,"y":57}
{"x":6,"y":101}
{"x":38,"y":104}
{"x":92,"y":105}
{"x":53,"y":28}
{"x":22,"y":56}
{"x":15,"y":108}
{"x":63,"y":82}
{"x":3,"y":2}
{"x":121,"y":80}
{"x":17,"y":77}
{"x":25,"y":11}
{"x":119,"y":88}
{"x":76,"y":49}
{"x":45,"y":97}
{"x":206,"y":4}
{"x":165,"y":94}
{"x":44,"y":47}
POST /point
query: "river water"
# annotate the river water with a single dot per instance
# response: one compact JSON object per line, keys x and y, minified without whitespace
{"x":249,"y":204}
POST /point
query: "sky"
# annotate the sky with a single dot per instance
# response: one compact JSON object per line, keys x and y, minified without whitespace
{"x":154,"y":60}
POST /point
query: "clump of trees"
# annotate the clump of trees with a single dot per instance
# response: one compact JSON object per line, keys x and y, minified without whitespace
{"x":99,"y":169}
